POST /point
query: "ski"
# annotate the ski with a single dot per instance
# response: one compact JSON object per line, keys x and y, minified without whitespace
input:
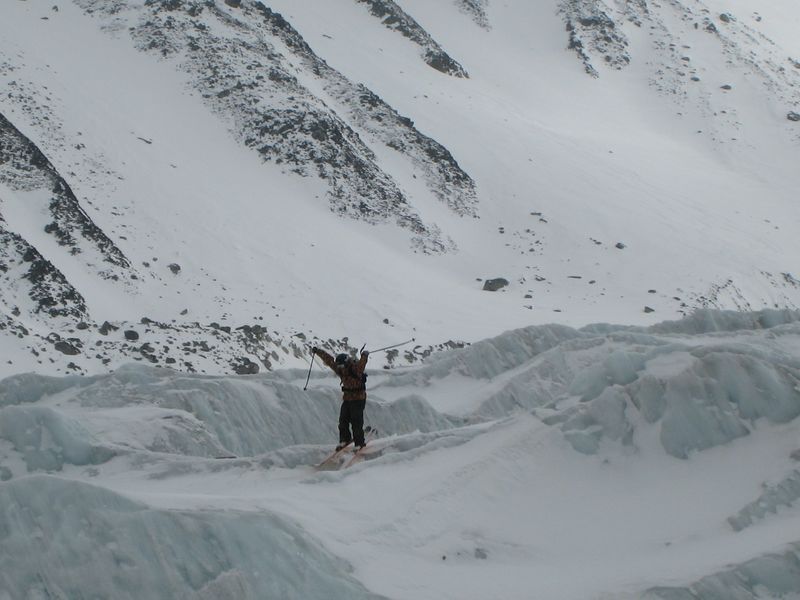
{"x":359,"y":454}
{"x":333,"y":456}
{"x":331,"y":459}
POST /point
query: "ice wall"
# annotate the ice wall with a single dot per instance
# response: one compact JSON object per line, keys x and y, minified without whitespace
{"x":67,"y":540}
{"x":50,"y":422}
{"x":675,"y":389}
{"x":601,"y":383}
{"x":772,"y":576}
{"x":701,"y":382}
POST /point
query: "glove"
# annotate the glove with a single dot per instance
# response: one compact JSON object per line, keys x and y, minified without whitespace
{"x":365,"y":353}
{"x":314,"y":350}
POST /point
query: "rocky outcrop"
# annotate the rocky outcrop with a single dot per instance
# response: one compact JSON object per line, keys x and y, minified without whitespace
{"x":492,"y":285}
{"x":23,"y":167}
{"x":249,"y":64}
{"x":28,"y":277}
{"x":477,"y":10}
{"x":592,"y":32}
{"x":396,"y":19}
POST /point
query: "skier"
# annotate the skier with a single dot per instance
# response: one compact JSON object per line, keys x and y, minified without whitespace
{"x":354,"y":395}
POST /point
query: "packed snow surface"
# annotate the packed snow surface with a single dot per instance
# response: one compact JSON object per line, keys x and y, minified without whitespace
{"x":547,"y":462}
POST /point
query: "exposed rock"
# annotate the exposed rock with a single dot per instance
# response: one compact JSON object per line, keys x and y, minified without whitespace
{"x":477,"y":10}
{"x":492,"y":285}
{"x":593,"y":32}
{"x":66,"y":348}
{"x":107,"y":328}
{"x":238,"y":63}
{"x":793,"y":116}
{"x":24,"y":167}
{"x":42,"y":282}
{"x":245,"y":366}
{"x":395,"y":18}
{"x":131,"y":335}
{"x":647,"y":309}
{"x":175,"y":268}
{"x":619,"y":245}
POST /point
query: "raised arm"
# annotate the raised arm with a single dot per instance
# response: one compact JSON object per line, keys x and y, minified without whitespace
{"x":326,"y":358}
{"x":362,"y":362}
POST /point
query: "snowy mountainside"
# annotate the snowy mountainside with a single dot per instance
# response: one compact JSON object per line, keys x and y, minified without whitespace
{"x":211,"y":185}
{"x":532,"y":464}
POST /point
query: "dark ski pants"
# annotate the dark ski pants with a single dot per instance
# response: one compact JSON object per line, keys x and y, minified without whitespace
{"x":352,"y":413}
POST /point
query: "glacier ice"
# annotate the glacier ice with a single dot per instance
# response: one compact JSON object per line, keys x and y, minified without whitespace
{"x":47,"y":439}
{"x":772,"y":576}
{"x":69,"y":540}
{"x":675,"y":390}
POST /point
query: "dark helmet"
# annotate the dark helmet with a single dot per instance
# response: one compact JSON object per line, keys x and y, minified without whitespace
{"x":341,"y":359}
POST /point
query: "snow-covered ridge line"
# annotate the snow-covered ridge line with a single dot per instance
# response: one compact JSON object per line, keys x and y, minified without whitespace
{"x":446,"y":179}
{"x":396,"y":19}
{"x":33,"y":287}
{"x":255,"y":70}
{"x":597,"y":35}
{"x":24,"y":168}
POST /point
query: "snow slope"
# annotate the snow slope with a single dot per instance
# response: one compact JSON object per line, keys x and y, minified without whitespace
{"x":360,"y":168}
{"x":548,"y":462}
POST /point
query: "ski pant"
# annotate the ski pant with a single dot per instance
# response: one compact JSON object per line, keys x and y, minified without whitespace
{"x":352,"y":413}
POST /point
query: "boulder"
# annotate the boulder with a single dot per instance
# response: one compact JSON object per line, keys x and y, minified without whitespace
{"x":245,"y":366}
{"x":66,"y":348}
{"x":492,"y":285}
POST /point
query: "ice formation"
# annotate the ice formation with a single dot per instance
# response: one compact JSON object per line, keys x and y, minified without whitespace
{"x":79,"y":454}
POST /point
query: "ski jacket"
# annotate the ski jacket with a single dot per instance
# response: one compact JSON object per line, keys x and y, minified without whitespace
{"x":351,"y":375}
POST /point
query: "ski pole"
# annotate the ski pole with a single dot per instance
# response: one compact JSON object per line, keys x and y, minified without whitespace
{"x":311,"y":366}
{"x":394,"y":346}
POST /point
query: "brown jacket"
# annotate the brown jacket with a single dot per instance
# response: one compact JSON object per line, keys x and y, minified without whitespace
{"x":351,"y":375}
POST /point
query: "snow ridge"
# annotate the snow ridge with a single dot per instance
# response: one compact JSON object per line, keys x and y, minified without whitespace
{"x":396,"y":19}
